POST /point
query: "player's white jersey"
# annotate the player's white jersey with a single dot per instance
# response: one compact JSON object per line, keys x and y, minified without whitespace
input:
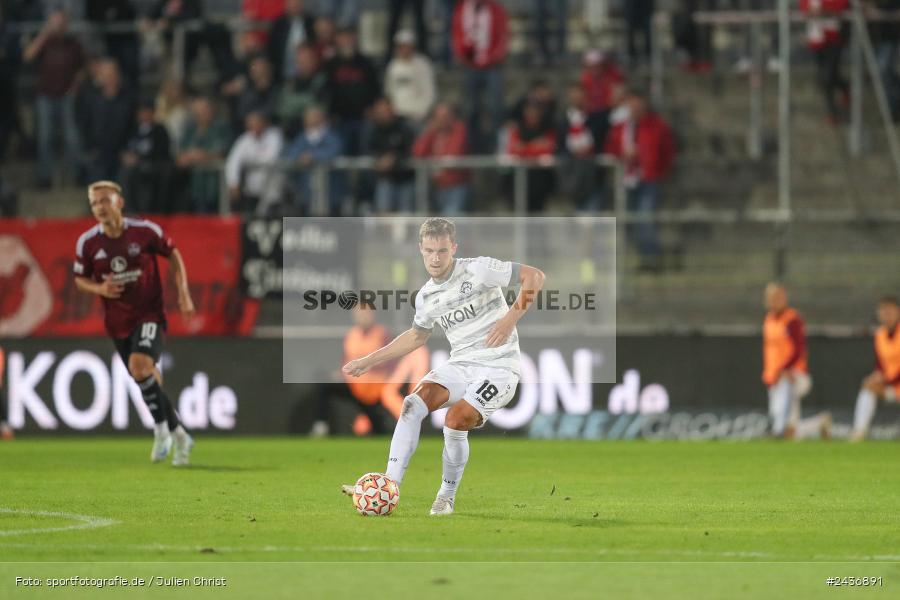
{"x":466,"y":306}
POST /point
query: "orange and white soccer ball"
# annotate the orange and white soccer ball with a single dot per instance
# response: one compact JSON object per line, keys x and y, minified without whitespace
{"x":376,"y":495}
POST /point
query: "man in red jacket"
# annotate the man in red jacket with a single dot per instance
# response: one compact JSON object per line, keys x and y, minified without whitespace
{"x":825,"y":37}
{"x":480,"y":41}
{"x":646,"y":148}
{"x":445,"y":137}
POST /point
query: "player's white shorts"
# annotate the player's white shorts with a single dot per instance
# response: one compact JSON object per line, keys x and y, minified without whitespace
{"x":487,"y":389}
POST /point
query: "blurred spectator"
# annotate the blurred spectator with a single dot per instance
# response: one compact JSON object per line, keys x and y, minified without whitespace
{"x":10,"y":61}
{"x":557,"y":13}
{"x":205,"y":143}
{"x":645,"y":145}
{"x":886,"y":37}
{"x":448,"y":9}
{"x":344,"y":13}
{"x":596,"y":17}
{"x":353,"y":86}
{"x":168,"y":14}
{"x":251,"y":186}
{"x":409,"y":81}
{"x":147,"y":164}
{"x":534,"y":138}
{"x":317,"y":144}
{"x":541,"y":94}
{"x":695,"y":39}
{"x":326,"y":32}
{"x":307,"y":87}
{"x":389,"y":142}
{"x":172,"y":110}
{"x":639,"y":20}
{"x":598,"y":79}
{"x":395,"y":14}
{"x":60,"y":59}
{"x":262,"y":11}
{"x":445,"y":137}
{"x":108,"y":122}
{"x":260,"y":94}
{"x":582,"y":133}
{"x":825,"y":37}
{"x":291,"y":29}
{"x":744,"y":62}
{"x":480,"y":40}
{"x":121,"y":45}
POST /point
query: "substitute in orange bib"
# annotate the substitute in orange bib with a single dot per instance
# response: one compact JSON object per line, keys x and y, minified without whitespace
{"x":884,"y":382}
{"x":784,"y":361}
{"x":366,"y":336}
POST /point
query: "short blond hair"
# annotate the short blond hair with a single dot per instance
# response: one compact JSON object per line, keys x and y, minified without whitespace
{"x":437,"y":227}
{"x":104,"y":185}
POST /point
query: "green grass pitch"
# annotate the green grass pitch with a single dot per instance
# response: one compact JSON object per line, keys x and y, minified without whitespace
{"x":627,"y":516}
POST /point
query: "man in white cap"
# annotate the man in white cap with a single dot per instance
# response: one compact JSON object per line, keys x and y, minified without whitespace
{"x":409,"y":82}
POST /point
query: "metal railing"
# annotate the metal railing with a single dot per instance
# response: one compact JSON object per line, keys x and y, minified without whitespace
{"x":860,"y":49}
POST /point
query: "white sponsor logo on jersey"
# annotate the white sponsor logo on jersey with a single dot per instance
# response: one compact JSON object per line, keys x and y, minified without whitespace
{"x":101,"y":254}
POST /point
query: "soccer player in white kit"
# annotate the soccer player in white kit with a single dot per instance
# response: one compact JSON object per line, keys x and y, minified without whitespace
{"x":465,"y":298}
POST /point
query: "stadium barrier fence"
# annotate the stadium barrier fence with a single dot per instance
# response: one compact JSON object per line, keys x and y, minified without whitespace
{"x":233,"y":386}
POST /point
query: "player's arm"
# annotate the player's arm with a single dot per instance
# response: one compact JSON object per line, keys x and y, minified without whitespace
{"x":185,"y":302}
{"x":531,"y":281}
{"x":106,"y":288}
{"x":403,"y":344}
{"x":797,"y":333}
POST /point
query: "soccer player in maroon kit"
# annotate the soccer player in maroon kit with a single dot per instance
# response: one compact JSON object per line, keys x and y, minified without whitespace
{"x":116,"y":259}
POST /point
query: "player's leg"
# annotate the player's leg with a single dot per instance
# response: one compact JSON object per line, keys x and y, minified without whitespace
{"x":780,"y":405}
{"x":426,"y":398}
{"x":146,"y":347}
{"x":141,"y":368}
{"x":461,"y":418}
{"x":817,"y":426}
{"x":493,"y":389}
{"x":864,"y":412}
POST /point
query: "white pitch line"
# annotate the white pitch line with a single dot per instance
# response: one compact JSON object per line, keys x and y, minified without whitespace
{"x":84,"y":521}
{"x":373,"y":549}
{"x":737,"y":554}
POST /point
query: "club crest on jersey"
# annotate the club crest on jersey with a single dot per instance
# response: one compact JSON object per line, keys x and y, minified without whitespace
{"x":118,"y":264}
{"x":134,"y":249}
{"x":465,"y":288}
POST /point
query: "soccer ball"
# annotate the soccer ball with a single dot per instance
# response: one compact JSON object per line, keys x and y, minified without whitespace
{"x":376,"y":495}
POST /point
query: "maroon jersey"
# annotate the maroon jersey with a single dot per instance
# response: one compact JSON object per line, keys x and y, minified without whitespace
{"x":129,"y":259}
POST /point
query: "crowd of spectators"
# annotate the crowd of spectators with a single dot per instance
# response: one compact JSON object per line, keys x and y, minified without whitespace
{"x":297,"y":89}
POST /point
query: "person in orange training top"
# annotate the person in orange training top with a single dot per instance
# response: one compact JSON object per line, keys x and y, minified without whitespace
{"x":6,"y":431}
{"x":366,"y":336}
{"x":785,"y":372}
{"x":884,"y":382}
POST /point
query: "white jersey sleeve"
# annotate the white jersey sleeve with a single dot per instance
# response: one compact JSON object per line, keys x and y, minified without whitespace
{"x":493,"y":272}
{"x":421,"y":320}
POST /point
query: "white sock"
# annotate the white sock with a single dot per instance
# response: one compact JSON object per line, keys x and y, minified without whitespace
{"x":779,"y":404}
{"x":406,"y":436}
{"x":865,"y":410}
{"x":161,"y":430}
{"x":456,"y":455}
